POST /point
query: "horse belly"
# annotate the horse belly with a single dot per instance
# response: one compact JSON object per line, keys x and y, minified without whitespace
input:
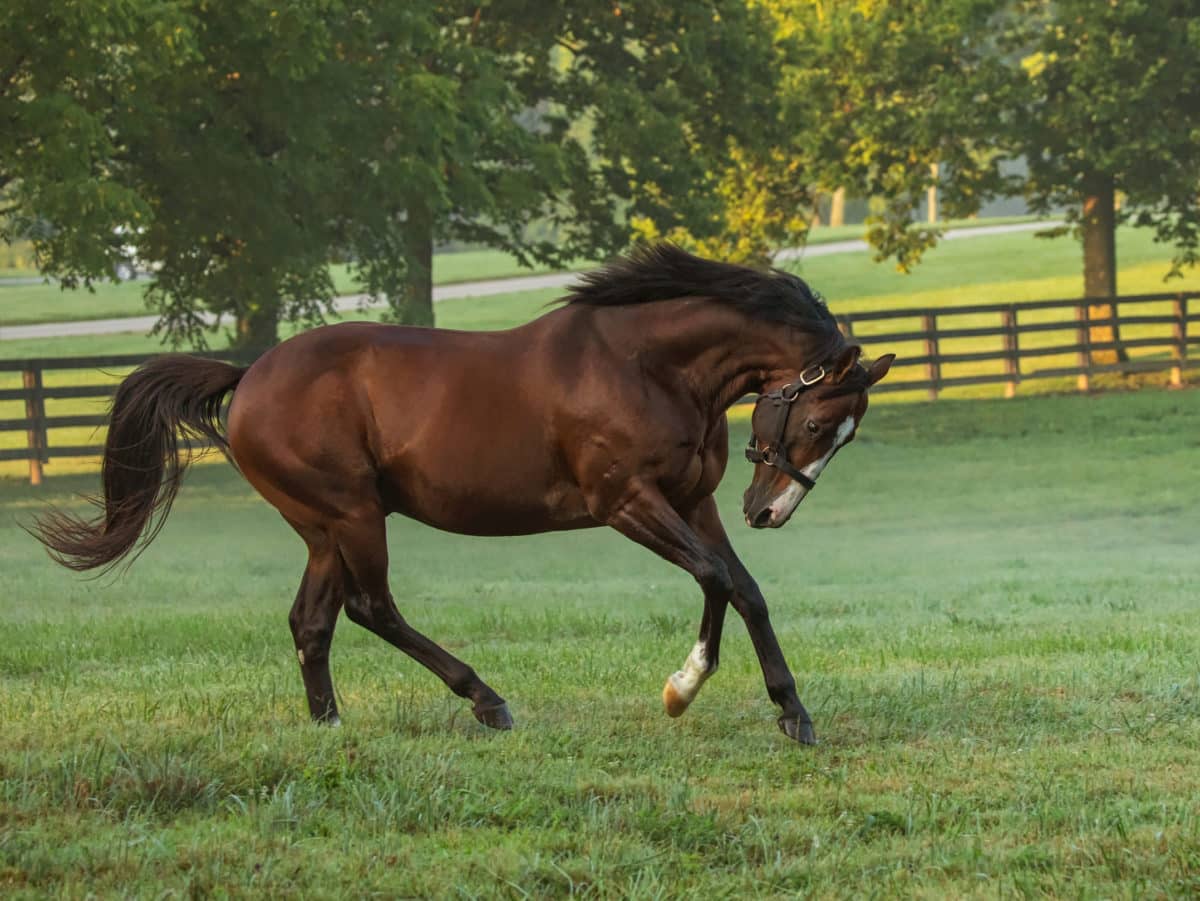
{"x":495,"y":506}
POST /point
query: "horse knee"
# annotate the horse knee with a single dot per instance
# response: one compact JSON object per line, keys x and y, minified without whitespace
{"x":714,"y":578}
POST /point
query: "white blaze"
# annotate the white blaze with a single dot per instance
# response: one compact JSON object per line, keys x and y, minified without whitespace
{"x":813,"y":469}
{"x":784,"y":505}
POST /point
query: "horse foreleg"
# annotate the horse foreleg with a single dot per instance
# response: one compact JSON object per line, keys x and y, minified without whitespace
{"x":362,"y":541}
{"x":650,"y":520}
{"x":684,"y":684}
{"x":750,"y":604}
{"x":703,"y":550}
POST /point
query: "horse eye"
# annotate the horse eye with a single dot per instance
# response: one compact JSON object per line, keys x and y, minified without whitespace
{"x":813,"y":428}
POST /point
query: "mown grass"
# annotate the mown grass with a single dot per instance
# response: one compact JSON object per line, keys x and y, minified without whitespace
{"x":990,"y":608}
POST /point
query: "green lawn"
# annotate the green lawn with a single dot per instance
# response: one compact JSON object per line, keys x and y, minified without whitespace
{"x":990,"y":608}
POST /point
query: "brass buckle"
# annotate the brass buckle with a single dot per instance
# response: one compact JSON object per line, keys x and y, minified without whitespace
{"x":808,"y":378}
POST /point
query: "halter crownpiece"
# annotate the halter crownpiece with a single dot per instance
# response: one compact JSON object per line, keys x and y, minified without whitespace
{"x":781,"y":400}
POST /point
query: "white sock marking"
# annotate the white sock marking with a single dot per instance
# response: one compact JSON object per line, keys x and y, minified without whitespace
{"x":695,"y":672}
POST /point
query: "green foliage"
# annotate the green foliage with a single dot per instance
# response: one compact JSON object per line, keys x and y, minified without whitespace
{"x":683,"y":102}
{"x":237,"y":147}
{"x":1090,"y":95}
{"x":1111,"y":92}
{"x":880,"y":92}
{"x":58,"y":63}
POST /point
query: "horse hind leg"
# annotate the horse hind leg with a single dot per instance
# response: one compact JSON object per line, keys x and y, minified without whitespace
{"x":313,"y":618}
{"x":362,"y":542}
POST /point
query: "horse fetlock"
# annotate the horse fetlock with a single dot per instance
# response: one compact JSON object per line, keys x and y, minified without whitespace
{"x":683,"y":685}
{"x":783,"y":693}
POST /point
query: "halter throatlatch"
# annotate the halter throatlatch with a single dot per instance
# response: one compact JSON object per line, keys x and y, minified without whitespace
{"x":773,"y":453}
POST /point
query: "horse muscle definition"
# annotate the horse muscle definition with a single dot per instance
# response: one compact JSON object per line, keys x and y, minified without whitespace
{"x":607,"y":411}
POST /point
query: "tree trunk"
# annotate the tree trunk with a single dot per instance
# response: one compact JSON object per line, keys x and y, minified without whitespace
{"x":416,"y":306}
{"x":257,"y":328}
{"x":1100,"y":266}
{"x":931,"y":195}
{"x":837,"y":208}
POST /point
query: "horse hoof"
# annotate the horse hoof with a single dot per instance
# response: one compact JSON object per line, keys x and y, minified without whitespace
{"x":496,"y":717}
{"x":673,"y":701}
{"x":798,"y":730}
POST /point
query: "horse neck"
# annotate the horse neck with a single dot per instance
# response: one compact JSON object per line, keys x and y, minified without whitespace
{"x":722,"y":354}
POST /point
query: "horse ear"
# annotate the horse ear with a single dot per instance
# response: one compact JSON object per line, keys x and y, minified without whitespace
{"x":879,"y":368}
{"x":846,"y":361}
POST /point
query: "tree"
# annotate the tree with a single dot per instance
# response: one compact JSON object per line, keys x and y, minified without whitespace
{"x":1109,"y":104}
{"x":869,"y":95}
{"x":55,"y":81}
{"x":892,"y":98}
{"x":680,"y":103}
{"x":1099,"y":99}
{"x":198,"y":140}
{"x":235,"y":147}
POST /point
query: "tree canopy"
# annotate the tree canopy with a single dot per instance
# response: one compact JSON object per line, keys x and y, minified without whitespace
{"x":1108,"y":104}
{"x":236,"y":147}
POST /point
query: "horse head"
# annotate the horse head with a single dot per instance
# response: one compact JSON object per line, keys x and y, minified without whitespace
{"x":797,"y":428}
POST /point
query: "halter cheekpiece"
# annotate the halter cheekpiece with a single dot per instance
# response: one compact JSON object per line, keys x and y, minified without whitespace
{"x":773,"y":453}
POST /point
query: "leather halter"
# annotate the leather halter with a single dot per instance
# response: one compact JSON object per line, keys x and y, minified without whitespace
{"x":773,"y":453}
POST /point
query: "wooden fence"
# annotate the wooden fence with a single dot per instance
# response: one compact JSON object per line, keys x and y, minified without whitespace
{"x":938,"y":349}
{"x":1011,"y":343}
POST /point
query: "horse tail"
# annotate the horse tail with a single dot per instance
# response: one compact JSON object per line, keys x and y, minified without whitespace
{"x":170,"y":398}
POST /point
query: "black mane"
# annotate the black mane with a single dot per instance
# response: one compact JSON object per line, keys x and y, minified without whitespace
{"x":665,"y":272}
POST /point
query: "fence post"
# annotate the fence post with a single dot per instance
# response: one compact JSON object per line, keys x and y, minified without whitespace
{"x":1084,"y":336}
{"x":1012,"y":360}
{"x":933,"y":367}
{"x":1179,"y":330}
{"x":35,"y":436}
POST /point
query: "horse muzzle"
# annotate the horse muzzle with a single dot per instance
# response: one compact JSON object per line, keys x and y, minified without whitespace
{"x":772,"y":512}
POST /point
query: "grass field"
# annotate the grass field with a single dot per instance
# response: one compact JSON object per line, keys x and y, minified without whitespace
{"x":990,"y":608}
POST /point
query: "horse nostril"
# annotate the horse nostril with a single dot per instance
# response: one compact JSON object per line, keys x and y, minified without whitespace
{"x":763,"y":518}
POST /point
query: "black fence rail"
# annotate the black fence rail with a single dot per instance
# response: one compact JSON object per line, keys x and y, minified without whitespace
{"x":1030,"y":340}
{"x":946,"y":347}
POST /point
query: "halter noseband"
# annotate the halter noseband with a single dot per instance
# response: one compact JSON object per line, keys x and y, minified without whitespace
{"x":773,"y":453}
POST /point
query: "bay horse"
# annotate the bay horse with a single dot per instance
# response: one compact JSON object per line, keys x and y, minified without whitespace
{"x":609,"y":410}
